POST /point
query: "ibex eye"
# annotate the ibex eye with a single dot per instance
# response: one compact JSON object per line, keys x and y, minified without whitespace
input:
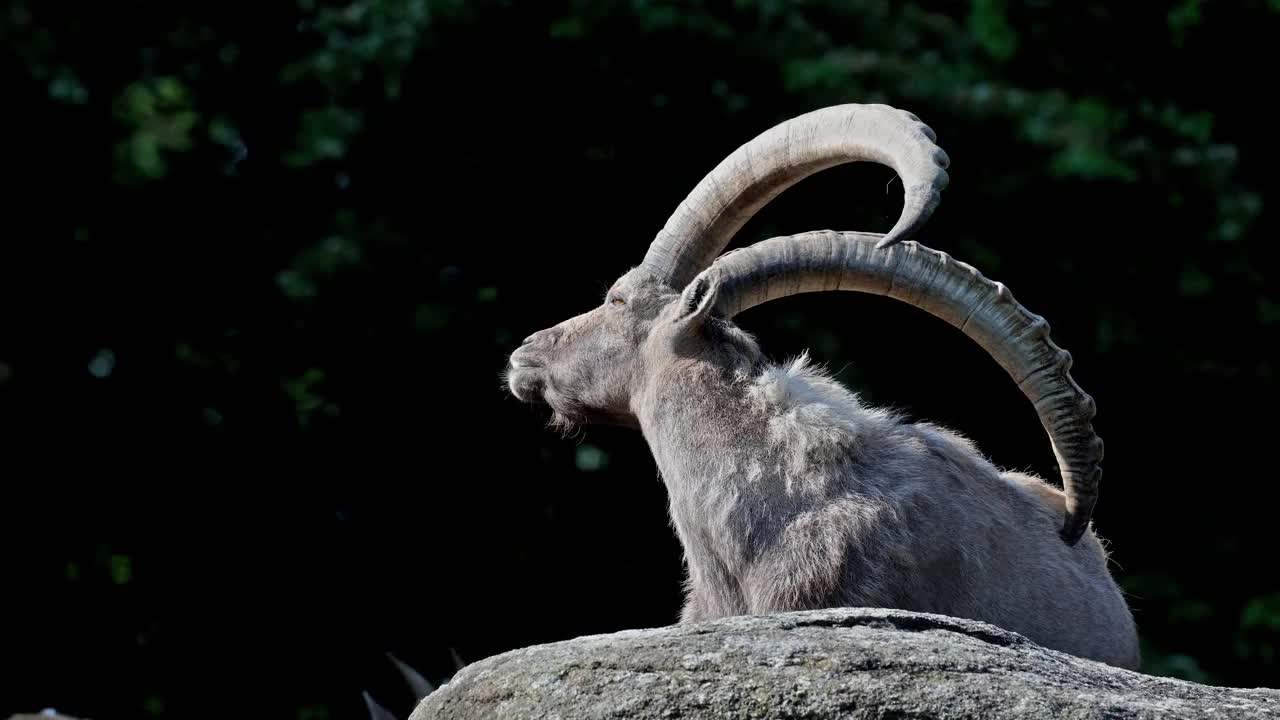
{"x":618,"y":301}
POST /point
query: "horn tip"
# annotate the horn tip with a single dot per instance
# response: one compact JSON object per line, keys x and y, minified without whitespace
{"x":1072,"y":530}
{"x":1075,"y":522}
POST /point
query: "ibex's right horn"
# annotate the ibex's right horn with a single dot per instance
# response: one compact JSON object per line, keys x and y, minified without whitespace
{"x":955,"y":292}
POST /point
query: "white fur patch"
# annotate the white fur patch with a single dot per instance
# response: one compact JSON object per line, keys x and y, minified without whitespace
{"x":800,"y":397}
{"x":812,"y":418}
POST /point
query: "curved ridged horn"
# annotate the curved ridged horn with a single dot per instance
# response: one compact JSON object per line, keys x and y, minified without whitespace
{"x":955,"y":292}
{"x":778,"y":158}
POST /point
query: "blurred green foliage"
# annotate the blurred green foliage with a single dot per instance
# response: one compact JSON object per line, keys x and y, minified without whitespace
{"x":315,"y":230}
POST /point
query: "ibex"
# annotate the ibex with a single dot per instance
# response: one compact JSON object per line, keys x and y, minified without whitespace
{"x":786,"y":491}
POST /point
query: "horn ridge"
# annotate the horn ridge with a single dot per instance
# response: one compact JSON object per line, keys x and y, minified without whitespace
{"x":956,"y":292}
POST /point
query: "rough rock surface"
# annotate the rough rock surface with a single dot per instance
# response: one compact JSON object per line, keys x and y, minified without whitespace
{"x":845,"y":663}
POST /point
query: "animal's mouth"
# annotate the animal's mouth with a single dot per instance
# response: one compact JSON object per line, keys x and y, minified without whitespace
{"x":526,"y":382}
{"x":520,"y":362}
{"x":529,"y":382}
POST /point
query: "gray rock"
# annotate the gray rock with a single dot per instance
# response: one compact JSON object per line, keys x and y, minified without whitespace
{"x":841,"y":663}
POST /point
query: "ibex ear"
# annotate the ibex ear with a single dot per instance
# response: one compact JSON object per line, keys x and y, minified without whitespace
{"x":698,"y":299}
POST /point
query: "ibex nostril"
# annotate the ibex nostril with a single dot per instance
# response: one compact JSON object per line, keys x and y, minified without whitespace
{"x":548,"y":337}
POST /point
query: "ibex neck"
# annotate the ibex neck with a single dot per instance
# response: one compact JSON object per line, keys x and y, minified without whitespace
{"x":785,"y":424}
{"x":743,"y":456}
{"x":697,"y":418}
{"x":709,"y":444}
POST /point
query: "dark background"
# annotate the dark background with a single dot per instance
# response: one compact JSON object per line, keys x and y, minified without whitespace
{"x":262,"y":263}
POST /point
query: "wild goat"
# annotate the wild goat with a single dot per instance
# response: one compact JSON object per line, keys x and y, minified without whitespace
{"x":786,"y":491}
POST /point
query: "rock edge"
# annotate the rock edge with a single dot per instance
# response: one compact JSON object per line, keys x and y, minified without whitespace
{"x":836,"y":663}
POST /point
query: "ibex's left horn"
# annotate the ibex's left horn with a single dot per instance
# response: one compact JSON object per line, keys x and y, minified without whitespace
{"x":765,"y":166}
